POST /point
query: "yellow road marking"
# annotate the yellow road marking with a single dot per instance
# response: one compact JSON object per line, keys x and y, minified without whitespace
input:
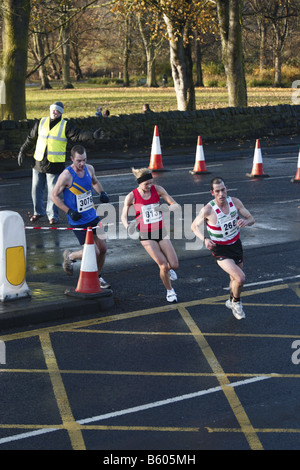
{"x":295,"y":288}
{"x":258,"y":430}
{"x":101,"y":427}
{"x":74,"y":429}
{"x":61,"y":395}
{"x":229,"y":392}
{"x":170,"y":333}
{"x":152,"y":373}
{"x":139,"y":313}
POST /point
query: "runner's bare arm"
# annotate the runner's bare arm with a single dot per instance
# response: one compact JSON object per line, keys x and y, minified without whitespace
{"x":129,"y":199}
{"x":95,"y":182}
{"x":164,"y":195}
{"x":63,"y":182}
{"x":198,"y":226}
{"x":248,"y":218}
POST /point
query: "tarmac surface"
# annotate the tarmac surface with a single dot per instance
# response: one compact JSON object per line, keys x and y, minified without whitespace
{"x":48,"y":302}
{"x":131,"y":372}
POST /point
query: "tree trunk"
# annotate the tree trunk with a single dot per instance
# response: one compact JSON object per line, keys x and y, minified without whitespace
{"x":181,"y":65}
{"x":232,"y":50}
{"x":39,"y":54}
{"x":126,"y":52}
{"x":150,"y":51}
{"x":262,"y":27}
{"x":66,"y":55}
{"x":199,"y":73}
{"x":277,"y":67}
{"x":15,"y":44}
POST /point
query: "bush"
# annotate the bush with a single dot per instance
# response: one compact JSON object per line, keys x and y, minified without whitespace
{"x":213,"y":68}
{"x":105,"y":81}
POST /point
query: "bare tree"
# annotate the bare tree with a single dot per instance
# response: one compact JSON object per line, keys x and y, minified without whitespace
{"x":14,"y":63}
{"x":153,"y":39}
{"x":280,"y":16}
{"x":229,"y":16}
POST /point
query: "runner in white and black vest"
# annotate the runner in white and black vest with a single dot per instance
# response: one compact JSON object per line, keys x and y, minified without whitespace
{"x":223,"y":223}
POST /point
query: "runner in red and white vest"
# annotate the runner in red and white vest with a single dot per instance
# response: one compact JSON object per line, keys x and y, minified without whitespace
{"x":149,"y":222}
{"x":223,"y":223}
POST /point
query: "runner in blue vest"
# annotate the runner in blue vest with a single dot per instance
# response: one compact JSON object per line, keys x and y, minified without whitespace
{"x":77,"y":183}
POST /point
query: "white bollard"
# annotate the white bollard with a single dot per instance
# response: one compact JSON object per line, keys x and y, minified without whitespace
{"x":12,"y":257}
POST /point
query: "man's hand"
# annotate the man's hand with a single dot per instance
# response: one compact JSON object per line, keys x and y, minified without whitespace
{"x":21,"y":157}
{"x":242,"y":223}
{"x":163,"y":208}
{"x":98,"y":134}
{"x":74,"y":215}
{"x":103,"y":197}
{"x":208,"y":243}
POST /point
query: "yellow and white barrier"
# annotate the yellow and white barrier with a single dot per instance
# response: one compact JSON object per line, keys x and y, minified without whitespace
{"x":12,"y":257}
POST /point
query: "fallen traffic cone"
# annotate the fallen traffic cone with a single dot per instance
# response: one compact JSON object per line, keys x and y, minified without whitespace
{"x":156,"y":163}
{"x":200,"y":166}
{"x":297,"y":177}
{"x":258,"y":167}
{"x":88,"y":285}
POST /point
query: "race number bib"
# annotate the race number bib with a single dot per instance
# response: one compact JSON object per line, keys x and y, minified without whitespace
{"x":84,"y":201}
{"x":228,"y":226}
{"x":151,"y":214}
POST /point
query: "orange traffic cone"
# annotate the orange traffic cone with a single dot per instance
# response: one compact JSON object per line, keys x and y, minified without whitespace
{"x":156,"y":163}
{"x":88,"y":285}
{"x":200,"y":166}
{"x":88,"y":282}
{"x":258,"y":167}
{"x":297,"y":177}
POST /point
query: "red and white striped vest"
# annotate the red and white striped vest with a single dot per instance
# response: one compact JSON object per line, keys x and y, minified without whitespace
{"x":226,"y":231}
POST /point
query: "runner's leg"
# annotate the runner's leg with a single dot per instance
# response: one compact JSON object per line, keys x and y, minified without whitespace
{"x":101,"y":248}
{"x":169,"y":252}
{"x":236,"y":274}
{"x":153,"y":249}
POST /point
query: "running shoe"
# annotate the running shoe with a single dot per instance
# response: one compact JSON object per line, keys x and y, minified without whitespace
{"x":171,"y":296}
{"x":237,"y":310}
{"x":228,"y":303}
{"x":104,"y":284}
{"x":173,"y":275}
{"x":68,"y":263}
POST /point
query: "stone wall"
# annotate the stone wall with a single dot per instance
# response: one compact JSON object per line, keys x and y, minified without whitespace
{"x":132,"y":130}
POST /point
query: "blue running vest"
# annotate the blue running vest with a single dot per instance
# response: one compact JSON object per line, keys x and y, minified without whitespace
{"x":79,"y":197}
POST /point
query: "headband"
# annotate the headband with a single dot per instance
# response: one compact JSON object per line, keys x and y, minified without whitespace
{"x":146,"y":177}
{"x":57,"y":107}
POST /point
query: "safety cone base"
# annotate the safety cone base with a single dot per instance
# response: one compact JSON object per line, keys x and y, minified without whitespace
{"x":86,"y":296}
{"x":204,"y":172}
{"x":158,"y":170}
{"x":251,"y":175}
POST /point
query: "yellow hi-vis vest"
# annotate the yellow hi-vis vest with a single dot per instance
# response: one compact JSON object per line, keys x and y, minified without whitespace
{"x":54,"y":139}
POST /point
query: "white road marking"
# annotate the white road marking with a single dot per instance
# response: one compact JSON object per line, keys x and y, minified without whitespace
{"x":135,"y":409}
{"x":269,"y":281}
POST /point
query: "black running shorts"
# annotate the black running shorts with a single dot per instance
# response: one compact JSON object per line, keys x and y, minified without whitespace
{"x":234,"y":251}
{"x":81,"y":234}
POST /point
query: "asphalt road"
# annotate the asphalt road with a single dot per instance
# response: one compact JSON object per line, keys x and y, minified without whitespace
{"x":151,"y":376}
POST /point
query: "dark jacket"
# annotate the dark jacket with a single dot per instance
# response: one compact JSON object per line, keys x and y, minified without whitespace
{"x":73,"y":134}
